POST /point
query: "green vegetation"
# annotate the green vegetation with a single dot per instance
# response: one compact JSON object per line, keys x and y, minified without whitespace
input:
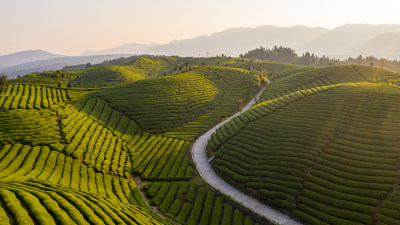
{"x":37,"y":202}
{"x":32,"y":127}
{"x":73,"y":151}
{"x":32,"y":97}
{"x":109,"y":76}
{"x":183,"y":105}
{"x":112,"y":143}
{"x":322,"y":144}
{"x":189,"y":203}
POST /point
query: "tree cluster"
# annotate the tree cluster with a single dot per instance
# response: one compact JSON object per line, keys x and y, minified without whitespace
{"x":288,"y":55}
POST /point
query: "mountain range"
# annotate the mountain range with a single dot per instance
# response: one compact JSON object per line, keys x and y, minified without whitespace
{"x":347,"y":40}
{"x":340,"y":42}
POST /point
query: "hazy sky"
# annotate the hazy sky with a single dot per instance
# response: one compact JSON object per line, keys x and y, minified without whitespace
{"x":74,"y":26}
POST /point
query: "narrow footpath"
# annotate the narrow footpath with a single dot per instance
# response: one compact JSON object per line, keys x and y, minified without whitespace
{"x":208,"y":174}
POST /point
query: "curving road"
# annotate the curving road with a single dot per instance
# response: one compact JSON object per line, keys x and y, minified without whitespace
{"x":207,"y":173}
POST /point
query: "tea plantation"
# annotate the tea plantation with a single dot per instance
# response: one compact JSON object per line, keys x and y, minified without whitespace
{"x":117,"y":155}
{"x":182,"y":105}
{"x":322,"y":145}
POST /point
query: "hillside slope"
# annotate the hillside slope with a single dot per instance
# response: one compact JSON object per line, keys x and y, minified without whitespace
{"x":321,"y":144}
{"x":117,"y":155}
{"x":167,"y":104}
{"x":105,"y":76}
{"x":41,"y":182}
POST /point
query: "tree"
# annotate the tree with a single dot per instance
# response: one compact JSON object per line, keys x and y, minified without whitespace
{"x":255,"y":80}
{"x":69,"y":85}
{"x":59,"y":85}
{"x":3,"y":82}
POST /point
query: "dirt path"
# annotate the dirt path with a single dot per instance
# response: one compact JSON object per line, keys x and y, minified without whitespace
{"x":208,"y":174}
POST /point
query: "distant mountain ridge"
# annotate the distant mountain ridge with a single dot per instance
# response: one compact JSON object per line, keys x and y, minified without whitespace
{"x":350,"y":39}
{"x":24,"y":57}
{"x":56,"y":63}
{"x":239,"y":40}
{"x":127,"y":48}
{"x":346,"y":40}
{"x":383,"y":44}
{"x":343,"y":41}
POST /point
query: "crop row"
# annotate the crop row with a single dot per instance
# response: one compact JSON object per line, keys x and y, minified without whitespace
{"x":230,"y":129}
{"x":164,"y":104}
{"x":290,"y":72}
{"x":389,"y":212}
{"x":311,"y":79}
{"x":96,"y":145}
{"x":189,"y":203}
{"x":21,"y":162}
{"x":202,"y":123}
{"x":328,"y":162}
{"x":31,"y":97}
{"x":37,"y":202}
{"x":33,"y":127}
{"x":161,"y":158}
{"x":374,"y":74}
{"x":119,"y":144}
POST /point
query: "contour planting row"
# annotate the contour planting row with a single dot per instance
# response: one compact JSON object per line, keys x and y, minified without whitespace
{"x":310,"y":79}
{"x":33,"y":127}
{"x":289,"y":72}
{"x":389,"y":211}
{"x":162,"y":104}
{"x":112,"y":143}
{"x":228,"y":130}
{"x":330,"y":158}
{"x":31,"y":97}
{"x":36,"y":202}
{"x":202,"y":123}
{"x":103,"y":76}
{"x":191,"y":204}
{"x":22,"y":162}
{"x":359,"y":167}
{"x":379,"y":75}
{"x":93,"y":143}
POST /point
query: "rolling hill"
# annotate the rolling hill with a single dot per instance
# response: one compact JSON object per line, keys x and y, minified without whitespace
{"x":104,"y":76}
{"x":321,"y":144}
{"x":118,"y":155}
{"x":181,"y":105}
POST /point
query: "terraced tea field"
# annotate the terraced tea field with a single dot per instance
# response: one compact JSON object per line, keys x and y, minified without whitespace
{"x":183,"y":105}
{"x":192,"y":204}
{"x":321,"y":144}
{"x":118,"y":155}
{"x":110,"y":76}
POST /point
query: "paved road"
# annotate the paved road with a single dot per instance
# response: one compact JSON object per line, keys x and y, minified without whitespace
{"x":207,"y":173}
